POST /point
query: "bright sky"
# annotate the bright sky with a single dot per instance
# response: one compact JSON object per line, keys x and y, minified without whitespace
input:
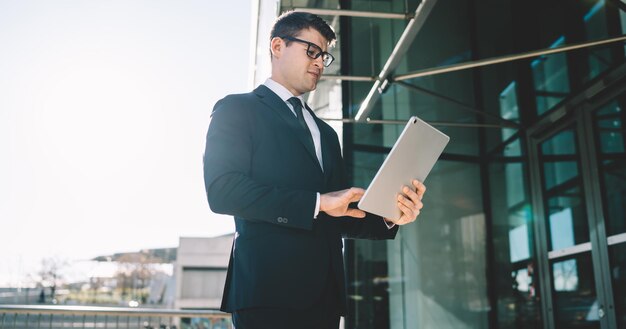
{"x":104,"y":107}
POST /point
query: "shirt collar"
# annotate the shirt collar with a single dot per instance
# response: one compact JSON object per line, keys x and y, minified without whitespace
{"x":281,"y":91}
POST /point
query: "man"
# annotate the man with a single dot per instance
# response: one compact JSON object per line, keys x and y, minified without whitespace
{"x":273,"y":165}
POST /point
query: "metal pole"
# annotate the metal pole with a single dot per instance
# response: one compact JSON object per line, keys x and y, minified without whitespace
{"x":504,"y":59}
{"x":355,"y":13}
{"x":505,"y":122}
{"x":401,"y":48}
{"x":347,"y":78}
{"x":432,"y":123}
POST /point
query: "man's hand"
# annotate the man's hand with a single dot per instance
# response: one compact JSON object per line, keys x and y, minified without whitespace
{"x":410,"y":203}
{"x":336,"y":203}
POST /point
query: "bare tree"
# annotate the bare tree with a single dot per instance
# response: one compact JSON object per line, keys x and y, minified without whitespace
{"x":135,"y":270}
{"x":49,"y":276}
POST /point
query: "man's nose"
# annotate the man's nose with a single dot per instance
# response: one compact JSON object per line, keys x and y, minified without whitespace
{"x":319,"y":62}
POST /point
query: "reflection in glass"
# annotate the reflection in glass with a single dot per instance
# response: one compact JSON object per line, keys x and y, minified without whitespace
{"x":510,"y":110}
{"x":574,"y":293}
{"x":595,"y":29}
{"x":610,"y":136}
{"x":562,"y":229}
{"x":559,"y":172}
{"x":519,"y":247}
{"x":516,"y":282}
{"x":523,"y":280}
{"x":610,"y":129}
{"x":437,"y":265}
{"x":551,"y":78}
{"x":565,"y":275}
{"x":617,"y":258}
{"x":559,"y":154}
{"x":563,"y":143}
{"x":563,"y":192}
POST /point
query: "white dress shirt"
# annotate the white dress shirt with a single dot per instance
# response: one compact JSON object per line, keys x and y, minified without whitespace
{"x":285,"y":94}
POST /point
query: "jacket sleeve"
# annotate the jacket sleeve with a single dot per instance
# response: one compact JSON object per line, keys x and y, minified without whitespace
{"x":228,"y":158}
{"x":372,"y":226}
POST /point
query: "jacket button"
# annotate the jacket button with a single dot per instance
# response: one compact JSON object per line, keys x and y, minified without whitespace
{"x":280,"y":219}
{"x":285,"y":220}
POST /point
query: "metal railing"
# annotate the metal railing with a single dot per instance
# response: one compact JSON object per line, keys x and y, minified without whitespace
{"x":56,"y":317}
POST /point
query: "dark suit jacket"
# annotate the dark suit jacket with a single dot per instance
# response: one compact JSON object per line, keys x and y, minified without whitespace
{"x":259,"y":168}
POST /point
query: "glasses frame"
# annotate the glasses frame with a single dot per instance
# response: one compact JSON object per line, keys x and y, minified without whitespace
{"x":327,"y":58}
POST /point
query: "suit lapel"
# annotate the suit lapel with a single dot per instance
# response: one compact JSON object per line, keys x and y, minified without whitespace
{"x":277,"y":105}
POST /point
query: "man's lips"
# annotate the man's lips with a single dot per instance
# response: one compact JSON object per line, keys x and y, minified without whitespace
{"x":316,"y":74}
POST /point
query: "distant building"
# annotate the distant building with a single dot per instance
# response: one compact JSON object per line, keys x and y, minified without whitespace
{"x":158,"y":255}
{"x":200,"y":271}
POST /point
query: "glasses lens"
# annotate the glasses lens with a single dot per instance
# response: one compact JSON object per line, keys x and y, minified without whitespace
{"x":313,"y":51}
{"x":328,"y":59}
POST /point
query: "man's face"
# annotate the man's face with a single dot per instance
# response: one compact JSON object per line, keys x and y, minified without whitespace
{"x":292,"y":67}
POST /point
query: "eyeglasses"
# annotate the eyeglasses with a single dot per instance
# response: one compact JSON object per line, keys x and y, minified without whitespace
{"x":313,"y":50}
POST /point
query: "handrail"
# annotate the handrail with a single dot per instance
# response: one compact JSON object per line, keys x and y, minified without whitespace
{"x":119,"y":311}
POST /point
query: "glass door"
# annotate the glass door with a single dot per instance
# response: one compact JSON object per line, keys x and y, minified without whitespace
{"x":565,"y":214}
{"x":609,"y":140}
{"x":582,"y":265}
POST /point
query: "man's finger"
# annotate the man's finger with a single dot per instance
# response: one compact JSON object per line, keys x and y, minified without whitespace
{"x":420,"y":188}
{"x":354,"y":194}
{"x":406,"y":202}
{"x":357,"y":190}
{"x":411,"y":194}
{"x":357,"y":213}
{"x":356,"y":197}
{"x":408,"y":212}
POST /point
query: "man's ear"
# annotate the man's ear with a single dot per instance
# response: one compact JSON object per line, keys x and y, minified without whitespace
{"x":276,"y":46}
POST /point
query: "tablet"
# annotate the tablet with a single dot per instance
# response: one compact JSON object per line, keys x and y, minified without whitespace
{"x":412,"y":157}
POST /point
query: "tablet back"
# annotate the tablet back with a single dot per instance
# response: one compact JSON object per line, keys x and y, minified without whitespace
{"x":413,"y":156}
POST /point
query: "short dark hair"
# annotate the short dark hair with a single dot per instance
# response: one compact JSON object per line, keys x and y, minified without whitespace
{"x":290,"y":23}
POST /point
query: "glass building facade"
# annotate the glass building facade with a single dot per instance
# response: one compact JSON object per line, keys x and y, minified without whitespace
{"x":524,"y":224}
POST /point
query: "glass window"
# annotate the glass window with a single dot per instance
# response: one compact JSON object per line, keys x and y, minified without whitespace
{"x":573,"y":285}
{"x":551,"y":78}
{"x":563,"y":192}
{"x":610,"y":136}
{"x":617,"y":256}
{"x":516,"y":283}
{"x":574,"y":293}
{"x":437,"y":265}
{"x":595,"y":28}
{"x":509,"y":110}
{"x":519,"y":248}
